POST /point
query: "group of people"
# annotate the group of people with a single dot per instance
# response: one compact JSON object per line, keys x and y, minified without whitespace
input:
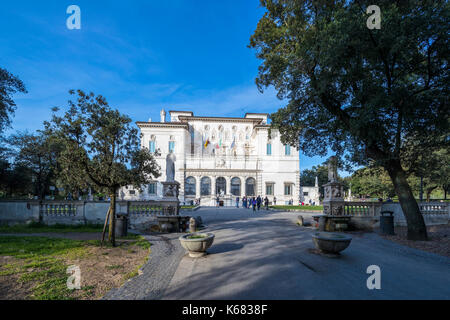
{"x":253,"y":202}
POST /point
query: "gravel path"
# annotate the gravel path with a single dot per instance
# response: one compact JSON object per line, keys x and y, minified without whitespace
{"x":166,"y":253}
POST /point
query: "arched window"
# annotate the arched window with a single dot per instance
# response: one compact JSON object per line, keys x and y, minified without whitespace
{"x":205,"y":186}
{"x":236,"y":186}
{"x":189,"y":186}
{"x":221,"y":185}
{"x":250,"y":187}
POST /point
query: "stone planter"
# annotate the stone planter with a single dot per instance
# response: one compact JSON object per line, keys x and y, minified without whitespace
{"x":328,"y":242}
{"x":197,"y":247}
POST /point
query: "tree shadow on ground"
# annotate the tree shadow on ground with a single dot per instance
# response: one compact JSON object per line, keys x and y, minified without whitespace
{"x":225,"y":247}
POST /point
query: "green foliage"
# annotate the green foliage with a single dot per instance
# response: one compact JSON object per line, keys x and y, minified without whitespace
{"x":35,"y":247}
{"x":42,"y":262}
{"x":101,"y":148}
{"x":367,"y":94}
{"x":372,"y":182}
{"x":363,"y":92}
{"x":42,"y":228}
{"x":9,"y":85}
{"x":302,"y":208}
{"x":35,"y":157}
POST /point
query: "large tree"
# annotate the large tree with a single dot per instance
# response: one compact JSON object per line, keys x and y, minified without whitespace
{"x":38,"y":153}
{"x":361,"y":91}
{"x":101,"y":149}
{"x":9,"y":84}
{"x":371,"y":181}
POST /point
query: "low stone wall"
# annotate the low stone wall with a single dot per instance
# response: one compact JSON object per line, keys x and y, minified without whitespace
{"x":13,"y":212}
{"x":434,"y":213}
{"x":366,"y":215}
{"x":141,"y":214}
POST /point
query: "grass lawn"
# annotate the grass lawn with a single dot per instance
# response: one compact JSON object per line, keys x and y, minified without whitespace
{"x":305,"y":208}
{"x":35,"y":267}
{"x":188,"y":207}
{"x":42,"y":228}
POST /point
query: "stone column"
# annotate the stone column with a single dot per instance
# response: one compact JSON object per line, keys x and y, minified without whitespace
{"x":242,"y":193}
{"x":213,"y":187}
{"x":228,"y":179}
{"x":197,"y":186}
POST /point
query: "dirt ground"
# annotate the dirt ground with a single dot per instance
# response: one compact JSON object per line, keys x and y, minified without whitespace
{"x":107,"y":268}
{"x":101,"y":270}
{"x":439,"y":239}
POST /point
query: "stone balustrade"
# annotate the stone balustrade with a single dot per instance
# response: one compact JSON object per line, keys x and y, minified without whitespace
{"x":145,"y":208}
{"x":58,"y":209}
{"x":434,"y":208}
{"x":84,"y":212}
{"x":367,"y":213}
{"x":362,"y":209}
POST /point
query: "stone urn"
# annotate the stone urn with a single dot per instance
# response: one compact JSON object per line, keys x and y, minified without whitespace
{"x":329,"y":242}
{"x":197,"y":243}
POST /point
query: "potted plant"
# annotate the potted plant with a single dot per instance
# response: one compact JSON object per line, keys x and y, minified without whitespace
{"x":197,"y":243}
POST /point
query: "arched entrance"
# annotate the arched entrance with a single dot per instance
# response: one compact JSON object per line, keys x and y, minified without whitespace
{"x":236,"y":186}
{"x":189,"y":186}
{"x":250,"y":187}
{"x":221,"y":186}
{"x":205,"y":186}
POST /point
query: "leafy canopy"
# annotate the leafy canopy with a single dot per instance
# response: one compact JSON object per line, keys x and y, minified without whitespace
{"x":362,"y":92}
{"x":9,"y":84}
{"x":101,"y":147}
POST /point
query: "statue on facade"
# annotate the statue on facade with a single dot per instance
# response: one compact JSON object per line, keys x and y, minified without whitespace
{"x":332,"y":169}
{"x":170,"y":167}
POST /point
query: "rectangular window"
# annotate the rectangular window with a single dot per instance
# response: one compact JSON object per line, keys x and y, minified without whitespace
{"x":269,"y":149}
{"x":152,"y":147}
{"x":305,"y":194}
{"x":152,"y":188}
{"x":269,"y":189}
{"x":287,"y":150}
{"x":287,"y":189}
{"x":172,"y":146}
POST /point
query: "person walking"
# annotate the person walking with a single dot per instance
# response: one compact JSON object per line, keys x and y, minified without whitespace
{"x":237,"y":202}
{"x":254,"y":204}
{"x":217,"y":201}
{"x":274,"y":201}
{"x":266,"y":203}
{"x":244,"y":201}
{"x":258,"y":202}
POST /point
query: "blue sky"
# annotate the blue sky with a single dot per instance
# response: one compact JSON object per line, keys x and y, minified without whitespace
{"x":141,"y":55}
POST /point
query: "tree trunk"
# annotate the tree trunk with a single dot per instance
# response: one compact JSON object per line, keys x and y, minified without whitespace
{"x":104,"y":226}
{"x":414,"y":219}
{"x":112,"y":220}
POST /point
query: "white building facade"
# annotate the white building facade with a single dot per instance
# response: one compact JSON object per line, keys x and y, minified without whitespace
{"x":221,"y":157}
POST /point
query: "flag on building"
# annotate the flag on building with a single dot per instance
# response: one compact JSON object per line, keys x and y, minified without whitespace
{"x":206,"y":143}
{"x":234,"y":143}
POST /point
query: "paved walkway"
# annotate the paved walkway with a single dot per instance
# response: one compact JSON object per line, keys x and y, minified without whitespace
{"x":267,"y":256}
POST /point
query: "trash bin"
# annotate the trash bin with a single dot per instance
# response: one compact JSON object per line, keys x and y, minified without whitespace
{"x":121,"y":225}
{"x":387,"y":222}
